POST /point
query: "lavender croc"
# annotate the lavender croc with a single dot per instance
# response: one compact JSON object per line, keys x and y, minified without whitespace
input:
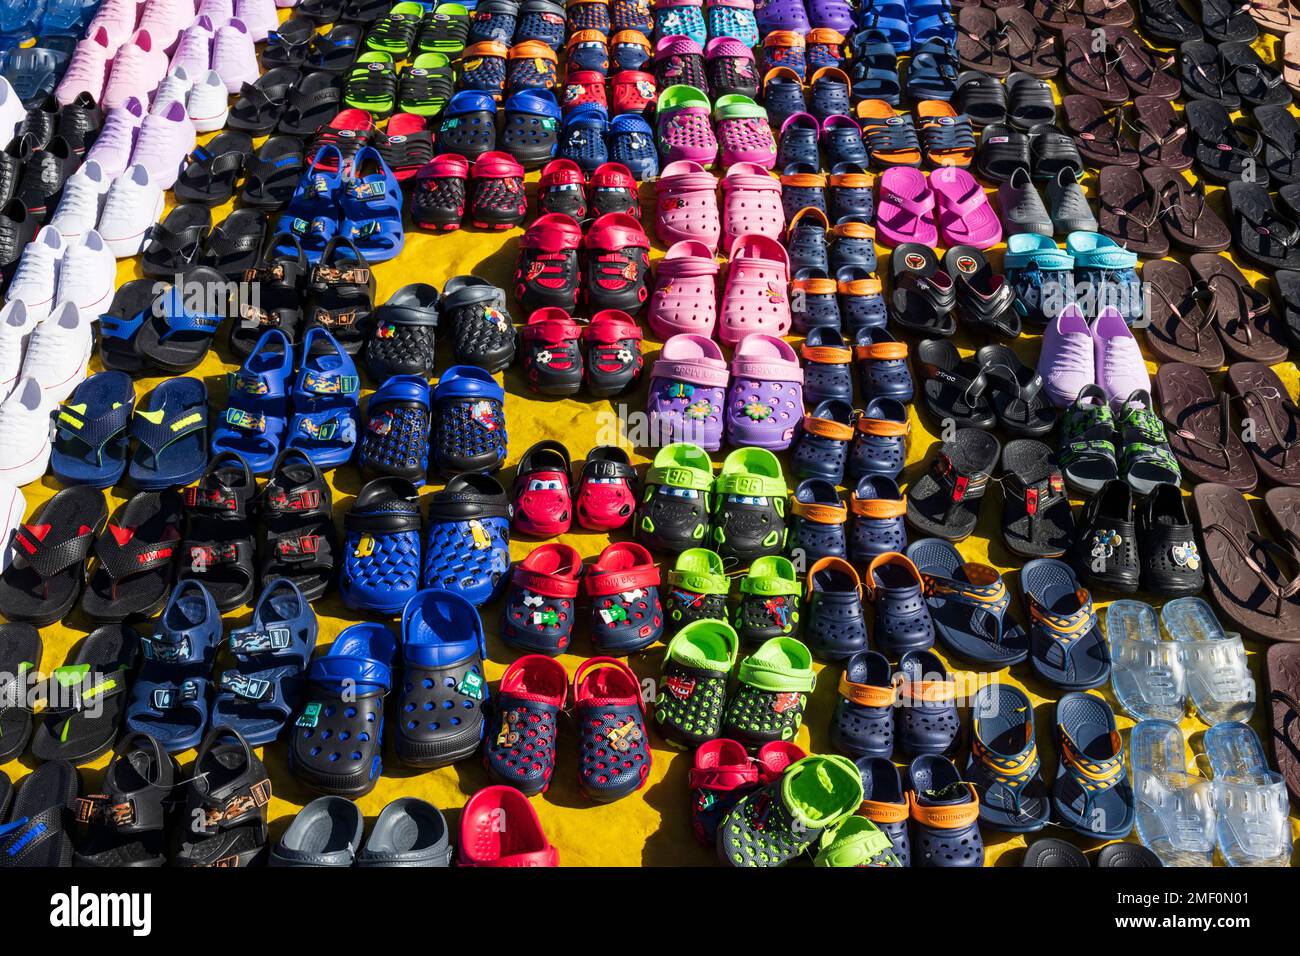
{"x":766,"y":398}
{"x":688,"y":385}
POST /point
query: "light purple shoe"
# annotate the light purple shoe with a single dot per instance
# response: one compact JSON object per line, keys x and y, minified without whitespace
{"x":116,"y":141}
{"x":88,"y":69}
{"x":194,"y":49}
{"x":1066,"y":360}
{"x":166,"y":138}
{"x":836,"y":14}
{"x":766,"y":397}
{"x":781,"y":15}
{"x":688,"y":390}
{"x":258,"y":15}
{"x":1121,"y":370}
{"x":233,"y":55}
{"x":138,"y":68}
{"x":165,"y":19}
{"x":117,"y":18}
{"x":218,"y":11}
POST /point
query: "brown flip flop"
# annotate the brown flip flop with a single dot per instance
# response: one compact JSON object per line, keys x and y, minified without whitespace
{"x":1283,"y":666}
{"x":1251,"y":331}
{"x":1274,"y":16}
{"x":1093,"y":74}
{"x":1130,"y":211}
{"x":1275,"y":442}
{"x":1108,"y":13}
{"x":1058,"y":15}
{"x":1188,"y":220}
{"x":1032,"y":48}
{"x":1291,"y":61}
{"x":1162,"y":133}
{"x":1182,"y":321}
{"x":1199,"y":428}
{"x":980,"y":44}
{"x":1100,"y":131}
{"x":1252,"y":579}
{"x":1146,"y":71}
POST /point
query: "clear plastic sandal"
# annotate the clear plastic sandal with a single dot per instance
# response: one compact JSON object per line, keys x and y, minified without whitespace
{"x":1176,"y":818}
{"x":1146,"y":672}
{"x":1251,"y":800}
{"x":1219,"y":683}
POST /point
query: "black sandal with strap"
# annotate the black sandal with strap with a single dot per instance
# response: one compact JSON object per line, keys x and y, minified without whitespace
{"x":218,"y":551}
{"x":226,"y":800}
{"x":312,"y":103}
{"x":1036,"y":518}
{"x":1224,"y":149}
{"x":126,"y":821}
{"x":923,"y":294}
{"x":341,"y":294}
{"x":259,"y":106}
{"x":297,"y":510}
{"x":954,"y":389}
{"x":210,"y":174}
{"x":1016,"y":393}
{"x":945,"y":502}
{"x":280,"y":279}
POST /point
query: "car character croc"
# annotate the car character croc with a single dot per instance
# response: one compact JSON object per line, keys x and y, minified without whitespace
{"x":927,"y":721}
{"x":688,"y":391}
{"x":467,"y":550}
{"x":614,"y":749}
{"x":765,"y":401}
{"x":835,"y":628}
{"x":469,"y":431}
{"x":614,"y":189}
{"x":697,"y":588}
{"x":769,"y":701}
{"x":1004,"y":765}
{"x":440,"y":709}
{"x":749,"y":506}
{"x":396,"y":437}
{"x":616,"y":262}
{"x":605,"y":496}
{"x":381,"y":547}
{"x":863,"y":722}
{"x":627,"y":614}
{"x":676,"y":499}
{"x":543,"y":501}
{"x":1091,"y":792}
{"x":520,"y":747}
{"x":687,"y":206}
{"x":722,"y":774}
{"x":817,"y":520}
{"x":770,"y":601}
{"x":499,"y":827}
{"x":945,"y":814}
{"x":541,"y":599}
{"x":1066,"y":645}
{"x":902,"y":618}
{"x":755,"y":298}
{"x":697,"y":664}
{"x":548,"y":272}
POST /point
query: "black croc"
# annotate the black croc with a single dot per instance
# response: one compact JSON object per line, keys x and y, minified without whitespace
{"x":405,"y":332}
{"x":478,"y":315}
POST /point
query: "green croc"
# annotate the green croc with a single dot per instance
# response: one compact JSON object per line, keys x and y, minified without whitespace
{"x":775,"y":682}
{"x":426,"y":85}
{"x":774,"y":825}
{"x":856,"y":842}
{"x":693,"y":691}
{"x":769,"y":601}
{"x":372,"y":84}
{"x":674,"y":510}
{"x":697,"y":588}
{"x":749,"y":505}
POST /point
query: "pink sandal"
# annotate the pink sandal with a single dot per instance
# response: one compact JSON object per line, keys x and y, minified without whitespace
{"x":755,"y":298}
{"x":906,"y":209}
{"x":688,"y":390}
{"x":766,"y":397}
{"x":751,"y":204}
{"x":965,"y":216}
{"x":744,"y":132}
{"x":683,"y":127}
{"x":688,"y":205}
{"x":685,"y":299}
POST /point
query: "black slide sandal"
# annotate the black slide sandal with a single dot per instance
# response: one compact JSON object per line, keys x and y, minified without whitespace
{"x":234,"y":245}
{"x":134,"y":559}
{"x":954,"y":389}
{"x":335,"y":51}
{"x":125,"y":821}
{"x":945,"y":502}
{"x":923,"y":295}
{"x":37,"y":832}
{"x":312,"y":103}
{"x":1016,"y":391}
{"x":44,"y":580}
{"x":20,"y":658}
{"x":209,"y":176}
{"x":1036,"y":518}
{"x":98,"y":671}
{"x":1002,"y":150}
{"x":271,"y":176}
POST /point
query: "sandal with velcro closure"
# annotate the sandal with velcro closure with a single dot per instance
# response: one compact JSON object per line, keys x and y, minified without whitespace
{"x":945,"y":502}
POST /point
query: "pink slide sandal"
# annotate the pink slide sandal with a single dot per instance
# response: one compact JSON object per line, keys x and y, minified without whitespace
{"x":965,"y":216}
{"x":906,"y":209}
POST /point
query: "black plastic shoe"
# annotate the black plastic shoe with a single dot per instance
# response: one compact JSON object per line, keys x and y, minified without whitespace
{"x":1105,"y":552}
{"x":477,"y":313}
{"x":1167,"y":549}
{"x":405,"y":332}
{"x":41,"y":123}
{"x":44,"y":173}
{"x":80,"y":122}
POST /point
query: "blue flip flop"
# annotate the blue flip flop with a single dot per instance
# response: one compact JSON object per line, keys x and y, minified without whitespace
{"x":169,"y":698}
{"x":255,"y":419}
{"x":258,"y":695}
{"x":1004,"y":764}
{"x":381,"y":547}
{"x":171,"y":445}
{"x":1091,"y":792}
{"x":1066,"y":645}
{"x":325,"y":395}
{"x":90,"y":440}
{"x":932,"y":72}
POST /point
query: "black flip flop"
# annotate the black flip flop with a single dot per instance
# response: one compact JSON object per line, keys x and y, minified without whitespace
{"x":312,"y":103}
{"x":288,"y":44}
{"x":923,"y":295}
{"x":259,"y":106}
{"x":135,"y":559}
{"x":175,"y":242}
{"x":1260,"y":232}
{"x":210,"y":175}
{"x":20,"y":656}
{"x":44,"y":579}
{"x":1036,"y":518}
{"x":321,"y":12}
{"x":1223,"y":150}
{"x":1205,"y":76}
{"x":37,"y":832}
{"x":1281,"y":132}
{"x":335,"y":51}
{"x":1002,"y":150}
{"x":1254,"y":81}
{"x":945,"y":501}
{"x":97,"y":674}
{"x":235,"y":243}
{"x":1287,"y":285}
{"x":271,"y":176}
{"x":1016,"y":393}
{"x":1228,"y":21}
{"x":953,"y":389}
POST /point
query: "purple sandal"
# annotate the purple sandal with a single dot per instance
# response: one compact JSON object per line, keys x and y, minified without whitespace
{"x":688,"y":386}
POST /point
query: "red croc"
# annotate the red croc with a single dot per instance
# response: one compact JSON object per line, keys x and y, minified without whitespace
{"x":541,"y":599}
{"x":543,"y":501}
{"x":614,"y":360}
{"x":613,"y":189}
{"x":552,"y":359}
{"x":722,"y":774}
{"x":634,"y":91}
{"x":584,"y":86}
{"x":562,"y":189}
{"x":774,"y":757}
{"x":626,"y":612}
{"x":499,"y":827}
{"x":614,"y":750}
{"x":548,"y":271}
{"x":606,"y":495}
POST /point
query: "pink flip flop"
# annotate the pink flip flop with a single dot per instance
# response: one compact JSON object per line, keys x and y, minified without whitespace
{"x":965,"y":216}
{"x":906,"y":209}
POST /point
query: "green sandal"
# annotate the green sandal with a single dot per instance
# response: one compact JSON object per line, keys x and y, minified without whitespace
{"x":856,"y":842}
{"x":769,"y":601}
{"x":444,"y":30}
{"x":426,"y":85}
{"x":775,"y":682}
{"x":1087,"y":455}
{"x":394,"y":32}
{"x":697,"y":588}
{"x":1146,"y":459}
{"x":372,"y":84}
{"x":693,"y":691}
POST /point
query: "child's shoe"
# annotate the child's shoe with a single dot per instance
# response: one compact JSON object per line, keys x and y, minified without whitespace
{"x":751,"y":206}
{"x":734,"y":19}
{"x":782,"y":15}
{"x":681,"y":17}
{"x":469,"y":125}
{"x":835,"y":628}
{"x":629,"y":47}
{"x":679,"y":60}
{"x":765,"y":400}
{"x":325,"y":396}
{"x":802,"y":186}
{"x":588,"y":50}
{"x":582,"y":138}
{"x":854,"y":245}
{"x":381,"y":547}
{"x":880,"y":440}
{"x":632,"y":145}
{"x":768,"y":703}
{"x":614,"y":751}
{"x":862,"y":300}
{"x":675,"y":505}
{"x":683,"y":129}
{"x":499,"y":827}
{"x":542,"y":499}
{"x":902,"y":616}
{"x":693,"y":689}
{"x":541,"y":20}
{"x":697,"y":588}
{"x":631,"y":15}
{"x":614,"y":360}
{"x":257,"y":403}
{"x":945,"y":814}
{"x":827,"y":367}
{"x":821,"y":442}
{"x":730,"y":68}
{"x":798,"y":143}
{"x":749,"y":505}
{"x":481,"y":333}
{"x":552,"y":359}
{"x":626,"y":612}
{"x":605,"y":497}
{"x":877,"y":524}
{"x":531,"y":65}
{"x":687,"y":391}
{"x":396,"y":437}
{"x":722,"y":774}
{"x":927,"y":719}
{"x":519,"y":748}
{"x":743,"y":131}
{"x":863,"y":723}
{"x":589,"y":15}
{"x":498,"y":200}
{"x":825,"y":48}
{"x":849,"y":193}
{"x":467,"y":550}
{"x":548,"y":272}
{"x":562,"y":189}
{"x":783,"y":94}
{"x":829,"y":93}
{"x":542,"y":599}
{"x":685,"y":298}
{"x":882,"y":365}
{"x":483,"y":68}
{"x":806,"y":239}
{"x":770,"y":601}
{"x":441,"y":192}
{"x":884,"y":802}
{"x":469,"y":432}
{"x":613,"y":190}
{"x":493,"y":20}
{"x":616,"y":262}
{"x":817,"y":521}
{"x":687,"y":207}
{"x":584,"y":89}
{"x":635,"y":92}
{"x":786,"y":49}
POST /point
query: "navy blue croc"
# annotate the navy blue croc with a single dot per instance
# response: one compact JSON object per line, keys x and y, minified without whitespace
{"x":582,"y":138}
{"x":879,"y":440}
{"x":849,"y":194}
{"x":902,"y":618}
{"x":632,"y":143}
{"x":798,"y":141}
{"x":842,"y":139}
{"x":863,"y":722}
{"x":519,"y":750}
{"x":821,"y":441}
{"x":884,"y":803}
{"x":1004,"y":764}
{"x":469,"y":431}
{"x":877,"y":518}
{"x":882,"y":365}
{"x":927,"y":721}
{"x":827,"y":366}
{"x":817,"y":520}
{"x":381,"y":547}
{"x":945,"y":815}
{"x":834,"y":625}
{"x":627,"y":613}
{"x":337,"y":744}
{"x":467,"y":551}
{"x":614,"y":756}
{"x":396,"y":437}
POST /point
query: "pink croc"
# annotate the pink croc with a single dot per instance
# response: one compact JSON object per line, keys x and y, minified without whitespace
{"x":688,"y":205}
{"x":744,"y":132}
{"x":906,"y":209}
{"x":755,"y":298}
{"x":965,"y":216}
{"x":686,"y":291}
{"x":766,"y":398}
{"x":683,"y":127}
{"x":688,"y":390}
{"x":751,"y":204}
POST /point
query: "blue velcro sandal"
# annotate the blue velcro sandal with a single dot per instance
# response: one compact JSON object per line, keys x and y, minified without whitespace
{"x":467,"y":551}
{"x":169,"y":698}
{"x":834,"y":626}
{"x":325,"y":395}
{"x":863,"y":722}
{"x":932,"y":71}
{"x":315,"y":199}
{"x":884,"y":803}
{"x":440,"y":710}
{"x":970,"y":606}
{"x":90,"y":439}
{"x":1066,"y":646}
{"x":927,"y":721}
{"x":396,"y":437}
{"x":874,"y":67}
{"x":582,"y":138}
{"x":945,"y":815}
{"x":171,"y":444}
{"x":632,"y":143}
{"x":371,"y":202}
{"x":469,"y":432}
{"x":381,"y":547}
{"x":257,"y":410}
{"x":889,"y":18}
{"x":1004,"y":764}
{"x":1091,"y":792}
{"x":259,"y":694}
{"x":338,"y":737}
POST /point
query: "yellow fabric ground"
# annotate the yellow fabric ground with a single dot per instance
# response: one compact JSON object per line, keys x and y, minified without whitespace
{"x":651,"y":827}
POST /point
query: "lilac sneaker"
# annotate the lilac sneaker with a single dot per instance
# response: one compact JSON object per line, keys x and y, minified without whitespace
{"x":234,"y":56}
{"x":688,"y":388}
{"x":836,"y":14}
{"x":166,"y":138}
{"x":165,"y":19}
{"x":116,"y":141}
{"x":138,"y":67}
{"x":194,"y":49}
{"x":1118,"y":359}
{"x":781,"y":15}
{"x":1066,"y":361}
{"x":765,"y":402}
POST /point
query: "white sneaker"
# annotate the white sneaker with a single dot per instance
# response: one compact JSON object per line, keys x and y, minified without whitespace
{"x":37,"y":275}
{"x":234,"y":55}
{"x":194,"y":48}
{"x":208,"y":103}
{"x":259,"y":16}
{"x":115,"y":142}
{"x":175,"y":88}
{"x":12,"y":508}
{"x":87,"y":276}
{"x":58,"y":352}
{"x":24,"y":434}
{"x":134,"y":203}
{"x":12,"y":111}
{"x":16,"y":326}
{"x":82,"y":202}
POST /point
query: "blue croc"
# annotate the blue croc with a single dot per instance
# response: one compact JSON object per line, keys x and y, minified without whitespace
{"x":582,"y":138}
{"x":469,"y":431}
{"x":396,"y":436}
{"x":444,"y":690}
{"x":879,"y":440}
{"x":876,"y":518}
{"x":902,"y":618}
{"x":325,"y":394}
{"x":798,"y":141}
{"x":945,"y":815}
{"x":90,"y":438}
{"x":381,"y":547}
{"x":467,"y":550}
{"x":257,"y":408}
{"x":171,"y":445}
{"x":884,"y":802}
{"x":337,"y":741}
{"x":1091,"y":792}
{"x":169,"y":698}
{"x":863,"y":722}
{"x":632,"y":143}
{"x":371,"y":201}
{"x":1066,"y":646}
{"x":1004,"y":764}
{"x":34,"y":72}
{"x":817,"y":520}
{"x":835,"y":627}
{"x":821,"y":441}
{"x":257,"y":696}
{"x":927,"y":718}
